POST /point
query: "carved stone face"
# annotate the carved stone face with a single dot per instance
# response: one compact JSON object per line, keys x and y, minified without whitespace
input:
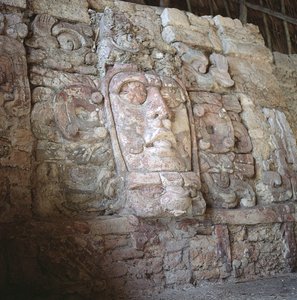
{"x":151,"y":122}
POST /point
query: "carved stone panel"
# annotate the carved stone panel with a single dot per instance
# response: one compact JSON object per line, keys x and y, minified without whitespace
{"x":15,"y":135}
{"x":225,"y":150}
{"x":73,"y":153}
{"x":279,"y":179}
{"x":153,"y":139}
{"x":201,"y":71}
{"x":62,"y":46}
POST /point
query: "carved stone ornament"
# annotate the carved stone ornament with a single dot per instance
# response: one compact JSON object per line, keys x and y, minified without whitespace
{"x":279,"y":180}
{"x":76,"y":112}
{"x":153,"y":139}
{"x":225,"y":151}
{"x":14,"y":90}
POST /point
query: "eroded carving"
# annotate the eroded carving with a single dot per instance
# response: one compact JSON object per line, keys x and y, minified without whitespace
{"x":15,"y":135}
{"x":77,"y":113}
{"x":12,"y":25}
{"x":14,"y":91}
{"x":150,"y":122}
{"x":61,"y":45}
{"x":75,"y":172}
{"x":224,"y":151}
{"x":279,"y":180}
{"x":117,"y":39}
{"x":201,"y":72}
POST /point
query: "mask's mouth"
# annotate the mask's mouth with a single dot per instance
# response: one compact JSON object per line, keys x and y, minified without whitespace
{"x":161,"y":138}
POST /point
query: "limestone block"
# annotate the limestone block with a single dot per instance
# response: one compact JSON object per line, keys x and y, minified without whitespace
{"x":239,"y":40}
{"x":227,"y":22}
{"x":17,"y":3}
{"x":115,"y":225}
{"x":190,"y":37}
{"x":75,"y":10}
{"x":100,"y":5}
{"x":256,"y":80}
{"x":141,"y":267}
{"x":198,"y":21}
{"x":257,"y":215}
{"x":177,"y":277}
{"x":174,"y":17}
{"x":126,"y":254}
{"x":204,"y":257}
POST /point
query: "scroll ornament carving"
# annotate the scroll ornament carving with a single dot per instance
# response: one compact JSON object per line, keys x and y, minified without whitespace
{"x":201,"y":72}
{"x":150,"y":123}
{"x":61,"y":45}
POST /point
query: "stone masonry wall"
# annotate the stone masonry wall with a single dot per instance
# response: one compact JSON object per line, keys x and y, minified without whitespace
{"x":85,"y":211}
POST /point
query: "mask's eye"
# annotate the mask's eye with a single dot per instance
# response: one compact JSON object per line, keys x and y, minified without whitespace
{"x":173,"y":96}
{"x":133,"y":92}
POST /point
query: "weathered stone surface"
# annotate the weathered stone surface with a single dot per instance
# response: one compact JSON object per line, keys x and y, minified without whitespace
{"x":279,"y":170}
{"x":239,"y":40}
{"x":77,"y":10}
{"x":224,"y":250}
{"x":13,"y":25}
{"x":255,"y":80}
{"x":161,"y":142}
{"x":172,"y":34}
{"x":143,"y":111}
{"x":68,"y":120}
{"x":121,"y":225}
{"x":252,"y":216}
{"x":224,"y":149}
{"x":249,"y":247}
{"x":290,"y":246}
{"x":285,"y":71}
{"x":17,"y":3}
{"x":174,"y":17}
{"x":203,"y":258}
{"x":70,"y":45}
{"x":100,"y":5}
{"x":16,"y":141}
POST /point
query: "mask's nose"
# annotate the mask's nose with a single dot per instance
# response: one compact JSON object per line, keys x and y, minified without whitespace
{"x":158,"y":108}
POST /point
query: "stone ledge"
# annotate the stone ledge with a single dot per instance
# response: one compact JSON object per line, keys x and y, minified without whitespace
{"x":277,"y":213}
{"x":121,"y":225}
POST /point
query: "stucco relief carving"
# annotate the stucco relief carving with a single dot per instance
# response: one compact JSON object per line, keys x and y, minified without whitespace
{"x":203,"y":72}
{"x":224,"y":150}
{"x":75,"y":164}
{"x":279,"y":179}
{"x":153,"y":139}
{"x":14,"y":92}
{"x":62,"y":46}
{"x":117,"y":37}
{"x":12,"y":25}
{"x":77,"y":113}
{"x":15,"y":135}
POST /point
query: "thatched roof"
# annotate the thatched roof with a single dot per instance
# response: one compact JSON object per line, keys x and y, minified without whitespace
{"x":277,"y":19}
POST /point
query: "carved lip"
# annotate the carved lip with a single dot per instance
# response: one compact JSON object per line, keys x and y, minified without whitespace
{"x":161,"y":138}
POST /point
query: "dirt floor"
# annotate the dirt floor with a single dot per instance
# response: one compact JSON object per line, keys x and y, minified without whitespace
{"x":281,"y":287}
